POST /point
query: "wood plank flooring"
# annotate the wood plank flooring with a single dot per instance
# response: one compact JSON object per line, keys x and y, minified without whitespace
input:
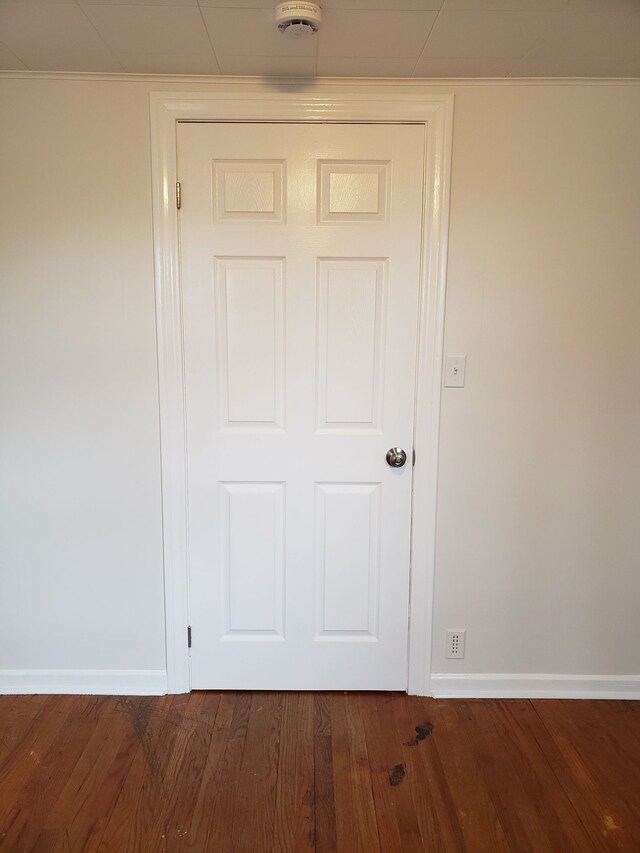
{"x":253,"y":772}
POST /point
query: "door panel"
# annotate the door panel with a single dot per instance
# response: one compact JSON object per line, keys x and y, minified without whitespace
{"x":300,"y":268}
{"x":251,"y":342}
{"x":347,"y":538}
{"x":351,"y":320}
{"x":253,"y":565}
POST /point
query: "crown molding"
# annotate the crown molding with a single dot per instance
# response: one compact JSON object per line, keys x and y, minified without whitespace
{"x":311,"y":83}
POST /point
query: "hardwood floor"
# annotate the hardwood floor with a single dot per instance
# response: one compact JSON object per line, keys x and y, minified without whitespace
{"x":253,"y":772}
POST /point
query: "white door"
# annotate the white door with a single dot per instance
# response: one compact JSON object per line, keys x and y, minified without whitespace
{"x":300,"y":269}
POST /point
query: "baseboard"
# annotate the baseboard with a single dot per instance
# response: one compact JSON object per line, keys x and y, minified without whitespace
{"x":444,"y":685}
{"x":114,"y":682}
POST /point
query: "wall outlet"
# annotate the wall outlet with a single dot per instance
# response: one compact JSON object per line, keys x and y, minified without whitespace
{"x":455,"y":644}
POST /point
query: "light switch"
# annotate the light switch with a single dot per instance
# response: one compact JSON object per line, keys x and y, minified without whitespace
{"x":454,"y":370}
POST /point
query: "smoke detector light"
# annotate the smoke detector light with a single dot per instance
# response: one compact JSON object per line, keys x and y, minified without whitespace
{"x":298,"y":20}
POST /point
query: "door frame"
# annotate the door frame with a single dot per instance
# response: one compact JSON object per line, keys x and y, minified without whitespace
{"x":284,"y":102}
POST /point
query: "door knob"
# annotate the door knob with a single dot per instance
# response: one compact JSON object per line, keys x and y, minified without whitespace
{"x":396,"y":457}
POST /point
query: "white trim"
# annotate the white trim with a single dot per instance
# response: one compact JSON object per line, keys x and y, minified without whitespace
{"x":447,"y":685}
{"x":428,"y":396}
{"x":435,"y":112}
{"x":171,"y":394}
{"x":108,"y":682}
{"x":219,"y":81}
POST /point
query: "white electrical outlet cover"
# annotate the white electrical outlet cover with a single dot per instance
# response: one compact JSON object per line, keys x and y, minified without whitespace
{"x":455,"y":644}
{"x":455,"y":367}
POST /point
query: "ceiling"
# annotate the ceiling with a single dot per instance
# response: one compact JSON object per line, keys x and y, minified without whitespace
{"x":359,"y":38}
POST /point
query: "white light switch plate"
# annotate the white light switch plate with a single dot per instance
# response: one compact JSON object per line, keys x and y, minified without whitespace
{"x":454,"y":369}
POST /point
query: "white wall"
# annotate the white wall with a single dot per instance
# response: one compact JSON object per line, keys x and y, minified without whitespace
{"x":538,"y":544}
{"x":538,"y":550}
{"x":80,"y":536}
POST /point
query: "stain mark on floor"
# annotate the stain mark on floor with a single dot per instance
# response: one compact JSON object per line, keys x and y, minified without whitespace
{"x":397,"y":775}
{"x":139,"y":710}
{"x":423,"y":731}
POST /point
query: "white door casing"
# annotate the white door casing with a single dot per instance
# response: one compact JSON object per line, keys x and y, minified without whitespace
{"x":300,"y":250}
{"x":434,"y":113}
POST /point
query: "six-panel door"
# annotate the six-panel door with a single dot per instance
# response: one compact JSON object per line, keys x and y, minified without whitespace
{"x":300,"y":268}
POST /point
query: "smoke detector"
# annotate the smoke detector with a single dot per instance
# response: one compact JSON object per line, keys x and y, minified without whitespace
{"x":298,"y":20}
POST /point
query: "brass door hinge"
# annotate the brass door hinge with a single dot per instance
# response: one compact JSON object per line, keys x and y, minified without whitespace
{"x":178,"y":195}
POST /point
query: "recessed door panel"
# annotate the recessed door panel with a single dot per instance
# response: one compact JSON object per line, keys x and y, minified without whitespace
{"x":248,"y":190}
{"x":353,"y":191}
{"x":351,"y":321}
{"x":250,"y":334}
{"x":252,"y":525}
{"x":347,"y":561}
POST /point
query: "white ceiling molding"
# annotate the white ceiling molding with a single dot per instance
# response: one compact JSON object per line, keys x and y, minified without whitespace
{"x":317,"y":82}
